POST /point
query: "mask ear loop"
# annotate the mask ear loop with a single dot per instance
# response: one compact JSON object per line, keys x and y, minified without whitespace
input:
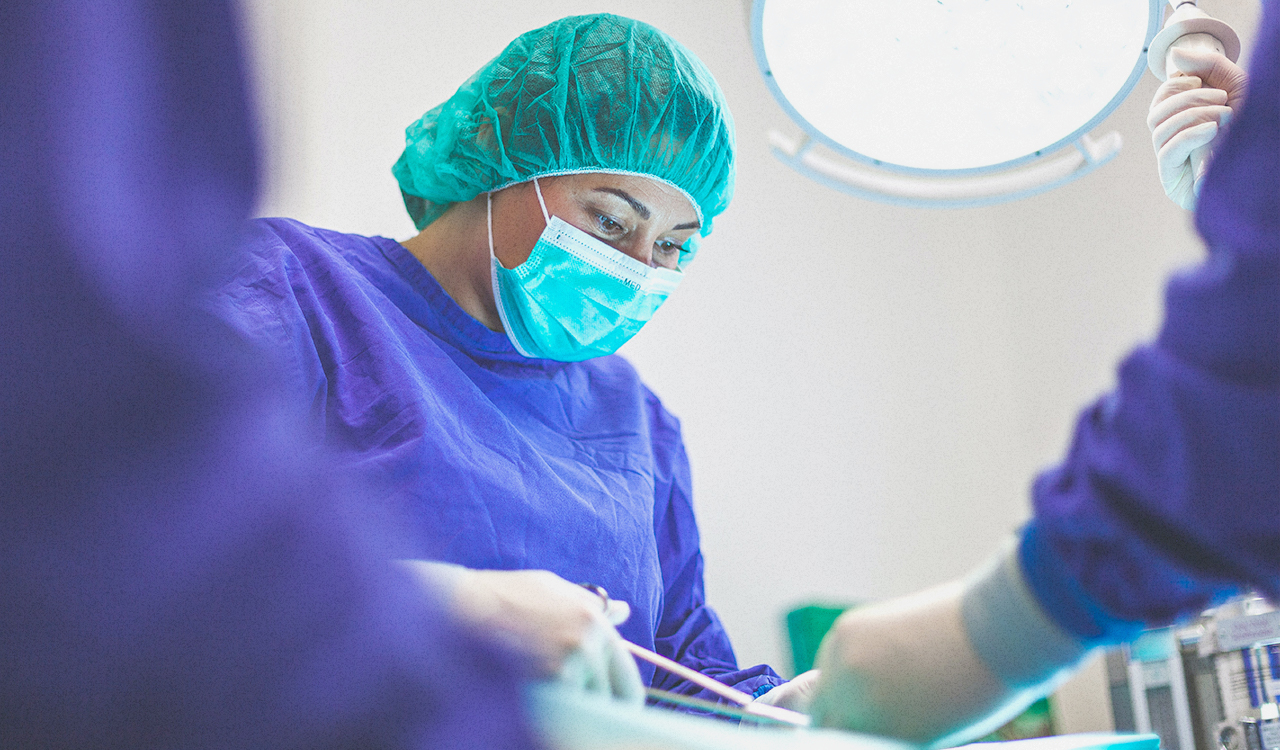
{"x":488,"y":202}
{"x":545,"y":216}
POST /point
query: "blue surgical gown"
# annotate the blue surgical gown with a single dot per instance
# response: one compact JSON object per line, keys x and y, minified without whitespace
{"x":486,"y":458}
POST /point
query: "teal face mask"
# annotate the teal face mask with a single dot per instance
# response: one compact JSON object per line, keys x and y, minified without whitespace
{"x":575,"y":297}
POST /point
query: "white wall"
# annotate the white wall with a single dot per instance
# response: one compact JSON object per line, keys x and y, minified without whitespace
{"x":866,"y":390}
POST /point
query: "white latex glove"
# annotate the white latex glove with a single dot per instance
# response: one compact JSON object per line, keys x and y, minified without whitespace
{"x":564,"y":628}
{"x":1187,"y":112}
{"x":944,"y":666}
{"x":795,"y":695}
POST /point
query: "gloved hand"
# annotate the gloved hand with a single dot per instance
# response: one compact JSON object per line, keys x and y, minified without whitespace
{"x":795,"y":695}
{"x":983,"y":646}
{"x":1187,"y":112}
{"x":564,"y":628}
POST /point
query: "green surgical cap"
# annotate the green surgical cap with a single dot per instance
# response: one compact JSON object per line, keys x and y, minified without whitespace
{"x":593,"y":93}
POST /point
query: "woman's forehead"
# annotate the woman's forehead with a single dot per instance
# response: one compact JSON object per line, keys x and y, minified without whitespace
{"x":645,"y":194}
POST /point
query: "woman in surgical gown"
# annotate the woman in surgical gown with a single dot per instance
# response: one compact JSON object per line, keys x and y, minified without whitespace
{"x":468,"y":372}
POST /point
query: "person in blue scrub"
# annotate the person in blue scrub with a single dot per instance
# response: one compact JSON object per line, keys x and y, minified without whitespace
{"x":178,"y":566}
{"x":1168,"y":501}
{"x":468,"y":374}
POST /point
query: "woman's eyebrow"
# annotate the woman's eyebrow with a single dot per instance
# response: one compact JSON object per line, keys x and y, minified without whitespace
{"x":641,"y":208}
{"x":636,"y":205}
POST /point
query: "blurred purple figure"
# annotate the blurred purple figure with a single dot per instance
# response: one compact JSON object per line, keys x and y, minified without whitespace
{"x":1169,"y":500}
{"x":177,"y":569}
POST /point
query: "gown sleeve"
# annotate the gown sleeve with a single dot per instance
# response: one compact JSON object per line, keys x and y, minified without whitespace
{"x":689,"y":631}
{"x":270,"y":301}
{"x":1169,"y":500}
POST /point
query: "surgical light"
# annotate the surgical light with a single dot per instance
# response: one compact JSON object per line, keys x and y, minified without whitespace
{"x":950,"y":102}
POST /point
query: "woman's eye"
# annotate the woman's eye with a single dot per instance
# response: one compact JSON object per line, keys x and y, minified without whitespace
{"x":666,"y":253}
{"x":608,"y":225}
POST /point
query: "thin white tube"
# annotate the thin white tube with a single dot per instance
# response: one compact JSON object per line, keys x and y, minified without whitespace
{"x":719,"y":688}
{"x":697,"y":678}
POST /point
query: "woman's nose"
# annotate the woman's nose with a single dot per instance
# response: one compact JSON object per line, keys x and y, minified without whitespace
{"x":640,"y":249}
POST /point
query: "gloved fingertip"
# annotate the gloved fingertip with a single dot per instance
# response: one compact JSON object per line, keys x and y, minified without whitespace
{"x":599,"y":680}
{"x":1192,"y":61}
{"x":624,"y":673}
{"x":617,"y":612}
{"x":570,"y":674}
